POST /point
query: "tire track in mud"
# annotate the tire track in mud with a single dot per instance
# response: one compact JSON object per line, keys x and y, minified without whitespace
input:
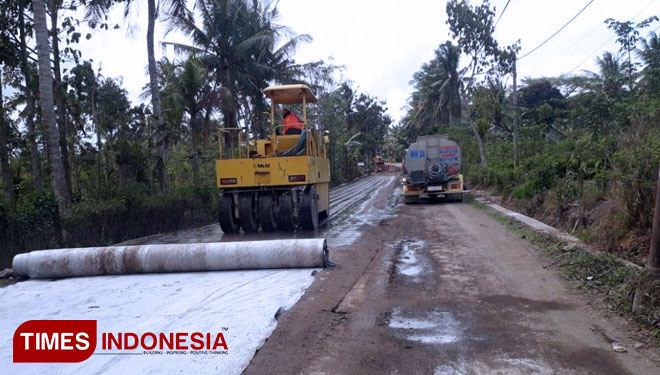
{"x":342,"y":200}
{"x":363,"y":205}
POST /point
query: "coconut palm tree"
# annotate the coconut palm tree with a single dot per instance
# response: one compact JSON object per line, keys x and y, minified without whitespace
{"x":237,"y":40}
{"x":437,"y":85}
{"x":58,"y":180}
{"x":611,"y":76}
{"x":96,"y":9}
{"x":650,"y":55}
{"x":187,"y":86}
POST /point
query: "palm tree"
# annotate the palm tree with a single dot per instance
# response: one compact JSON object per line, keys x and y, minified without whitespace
{"x":173,"y":9}
{"x":650,"y":54}
{"x":29,"y":100}
{"x":237,"y":41}
{"x":5,"y":170}
{"x":187,"y":86}
{"x":611,"y":76}
{"x":437,"y":97}
{"x":58,"y":180}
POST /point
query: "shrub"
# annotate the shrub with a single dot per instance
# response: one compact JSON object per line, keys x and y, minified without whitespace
{"x":35,"y":223}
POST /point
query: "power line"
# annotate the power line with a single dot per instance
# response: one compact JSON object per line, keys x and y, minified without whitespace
{"x":609,"y":39}
{"x":501,"y":14}
{"x":558,"y":31}
{"x":584,"y":35}
{"x":591,"y":55}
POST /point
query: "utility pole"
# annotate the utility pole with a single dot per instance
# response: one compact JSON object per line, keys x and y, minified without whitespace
{"x":653,"y":262}
{"x":515,"y":112}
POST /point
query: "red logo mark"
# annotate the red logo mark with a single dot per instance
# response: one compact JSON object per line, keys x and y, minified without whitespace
{"x":55,"y":341}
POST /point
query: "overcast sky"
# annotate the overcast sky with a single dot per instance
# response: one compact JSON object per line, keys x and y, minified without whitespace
{"x":383,"y":42}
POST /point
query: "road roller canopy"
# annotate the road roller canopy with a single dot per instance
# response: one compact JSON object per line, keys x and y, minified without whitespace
{"x":290,"y":94}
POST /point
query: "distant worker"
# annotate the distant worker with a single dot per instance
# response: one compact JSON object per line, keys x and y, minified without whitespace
{"x":292,"y":124}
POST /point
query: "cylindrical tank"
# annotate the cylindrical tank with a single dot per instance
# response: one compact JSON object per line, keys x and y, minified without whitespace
{"x":433,"y":158}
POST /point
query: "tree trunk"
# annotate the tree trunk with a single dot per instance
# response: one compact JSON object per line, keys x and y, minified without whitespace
{"x":58,"y":181}
{"x":480,"y":144}
{"x":652,"y":270}
{"x":205,"y":128}
{"x":29,"y":107}
{"x":124,"y":164}
{"x":195,"y":140}
{"x":99,"y":162}
{"x":161,"y":138}
{"x":99,"y":147}
{"x":5,"y":170}
{"x":515,"y":115}
{"x":466,"y":117}
{"x":653,"y":263}
{"x":228,"y":118}
{"x":59,"y":94}
{"x":630,"y":73}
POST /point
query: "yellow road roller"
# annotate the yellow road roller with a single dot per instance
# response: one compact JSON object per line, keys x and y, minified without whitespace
{"x":279,"y":183}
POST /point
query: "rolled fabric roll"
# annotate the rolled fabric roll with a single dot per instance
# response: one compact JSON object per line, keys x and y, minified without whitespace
{"x":196,"y":257}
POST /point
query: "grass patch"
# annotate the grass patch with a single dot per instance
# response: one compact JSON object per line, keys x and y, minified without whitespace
{"x":600,"y":275}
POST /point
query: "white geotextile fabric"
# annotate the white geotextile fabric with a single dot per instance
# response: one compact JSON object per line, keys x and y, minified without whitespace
{"x":243,"y":301}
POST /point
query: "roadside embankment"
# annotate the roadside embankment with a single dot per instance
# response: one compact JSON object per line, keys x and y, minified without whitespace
{"x":616,"y":284}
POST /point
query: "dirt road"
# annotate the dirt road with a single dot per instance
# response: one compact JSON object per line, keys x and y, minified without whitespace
{"x":442,"y":289}
{"x":423,"y":289}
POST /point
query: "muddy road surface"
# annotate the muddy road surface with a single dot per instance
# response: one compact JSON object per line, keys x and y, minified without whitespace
{"x":350,"y":209}
{"x":441,"y":289}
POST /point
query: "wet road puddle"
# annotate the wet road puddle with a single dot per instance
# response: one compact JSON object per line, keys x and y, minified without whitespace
{"x":498,"y":365}
{"x":437,"y":327}
{"x":410,"y":261}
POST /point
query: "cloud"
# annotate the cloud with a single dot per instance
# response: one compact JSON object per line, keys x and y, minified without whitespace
{"x":382,"y":43}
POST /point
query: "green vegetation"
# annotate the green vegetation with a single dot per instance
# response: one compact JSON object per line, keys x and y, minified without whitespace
{"x":82,"y":165}
{"x":580,"y":151}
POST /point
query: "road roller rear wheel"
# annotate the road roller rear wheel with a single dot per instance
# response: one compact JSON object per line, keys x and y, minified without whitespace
{"x":227,"y":214}
{"x":267,"y":212}
{"x":286,"y":212}
{"x":247,"y":212}
{"x":309,"y":209}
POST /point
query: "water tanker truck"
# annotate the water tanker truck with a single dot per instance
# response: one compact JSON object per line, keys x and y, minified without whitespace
{"x":432,"y":168}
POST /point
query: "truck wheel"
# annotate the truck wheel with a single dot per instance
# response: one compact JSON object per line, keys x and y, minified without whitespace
{"x":410,"y":199}
{"x":247,"y":213}
{"x":267,"y":212}
{"x":286,"y":212}
{"x":309,"y":209}
{"x":227,"y":214}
